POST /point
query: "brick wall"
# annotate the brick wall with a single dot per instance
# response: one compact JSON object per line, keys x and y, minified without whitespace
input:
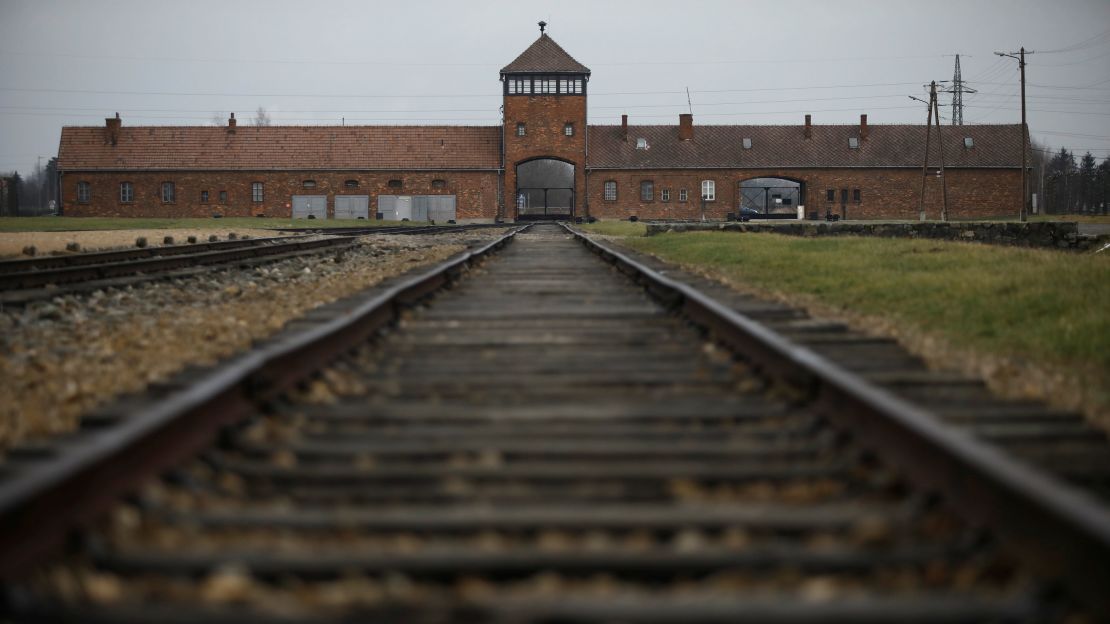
{"x":475,"y":191}
{"x":884,"y":193}
{"x":544,"y":117}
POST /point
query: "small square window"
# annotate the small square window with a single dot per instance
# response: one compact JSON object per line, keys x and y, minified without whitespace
{"x":223,"y":197}
{"x":568,"y":129}
{"x":610,"y":191}
{"x":969,"y":143}
{"x":308,"y":184}
{"x":395,"y":183}
{"x":350,"y":184}
{"x":830,"y":195}
{"x":853,"y":142}
{"x":665,"y":195}
{"x":520,"y":129}
{"x":204,"y":197}
{"x":747,"y":143}
{"x":682,"y":195}
{"x":439,"y":184}
{"x":641,"y":143}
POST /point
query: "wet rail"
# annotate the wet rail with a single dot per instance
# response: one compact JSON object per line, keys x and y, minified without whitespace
{"x":545,"y":440}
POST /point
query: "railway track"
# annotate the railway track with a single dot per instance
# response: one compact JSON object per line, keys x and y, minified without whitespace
{"x":541,"y":441}
{"x":392,"y":229}
{"x":37,"y":278}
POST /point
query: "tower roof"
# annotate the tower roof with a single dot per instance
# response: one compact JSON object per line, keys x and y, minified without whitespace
{"x":546,"y":56}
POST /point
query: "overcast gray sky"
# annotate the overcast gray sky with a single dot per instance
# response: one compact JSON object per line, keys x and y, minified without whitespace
{"x":757,"y":62}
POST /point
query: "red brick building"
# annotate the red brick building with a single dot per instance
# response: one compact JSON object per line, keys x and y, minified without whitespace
{"x":544,"y":161}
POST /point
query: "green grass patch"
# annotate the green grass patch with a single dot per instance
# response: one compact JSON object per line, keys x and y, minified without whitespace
{"x":65,"y":224}
{"x":615,"y":228}
{"x":1049,"y":307}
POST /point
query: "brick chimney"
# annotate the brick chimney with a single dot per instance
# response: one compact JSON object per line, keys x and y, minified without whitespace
{"x":231,"y":124}
{"x":111,"y":129}
{"x":685,"y":126}
{"x":862,"y":127}
{"x":624,"y":127}
{"x":809,"y":127}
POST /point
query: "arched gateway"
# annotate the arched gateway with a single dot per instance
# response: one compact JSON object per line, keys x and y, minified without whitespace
{"x":545,"y":189}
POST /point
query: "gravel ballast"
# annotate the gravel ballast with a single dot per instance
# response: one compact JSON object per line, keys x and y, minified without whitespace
{"x":63,"y":357}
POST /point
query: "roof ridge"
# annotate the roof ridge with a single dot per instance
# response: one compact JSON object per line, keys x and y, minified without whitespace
{"x":545,"y":55}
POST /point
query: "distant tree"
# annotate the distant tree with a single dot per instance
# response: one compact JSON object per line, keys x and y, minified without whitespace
{"x":1060,"y":183}
{"x":1087,"y":187}
{"x":261,"y":117}
{"x":1102,"y":177}
{"x":217,"y":119}
{"x":14,"y":183}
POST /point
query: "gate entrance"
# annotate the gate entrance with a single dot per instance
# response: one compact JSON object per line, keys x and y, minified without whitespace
{"x":544,"y":189}
{"x":771,"y":197}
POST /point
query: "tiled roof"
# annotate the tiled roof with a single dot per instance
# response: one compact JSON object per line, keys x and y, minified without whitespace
{"x":786,"y":146}
{"x":282,"y":147}
{"x":545,"y":56}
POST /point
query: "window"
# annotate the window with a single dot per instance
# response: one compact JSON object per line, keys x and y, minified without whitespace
{"x":518,"y":86}
{"x":830,"y":195}
{"x":308,"y":184}
{"x":167,"y":192}
{"x":844,"y":196}
{"x":204,"y":197}
{"x":520,"y":131}
{"x":747,"y":143}
{"x":126,"y":192}
{"x":855,"y":195}
{"x":708,"y":190}
{"x":545,"y":85}
{"x":641,"y":143}
{"x":853,"y":142}
{"x":665,"y":195}
{"x":395,"y":183}
{"x":647,"y":190}
{"x":564,"y":85}
{"x":256,"y":192}
{"x":439,"y":184}
{"x":84,"y":192}
{"x":350,"y":183}
{"x":682,"y":195}
{"x":576,"y":85}
{"x":969,"y":143}
{"x":568,"y":129}
{"x":610,"y":191}
{"x":223,"y":197}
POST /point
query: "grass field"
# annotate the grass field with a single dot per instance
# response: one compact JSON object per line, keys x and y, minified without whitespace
{"x":1047,"y":307}
{"x":62,"y":224}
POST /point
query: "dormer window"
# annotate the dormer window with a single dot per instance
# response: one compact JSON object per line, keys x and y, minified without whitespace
{"x":641,"y":143}
{"x":853,"y":142}
{"x":969,"y":143}
{"x":747,"y":143}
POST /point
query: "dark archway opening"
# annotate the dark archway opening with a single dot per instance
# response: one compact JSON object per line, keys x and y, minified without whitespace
{"x":545,"y":189}
{"x":772,"y":198}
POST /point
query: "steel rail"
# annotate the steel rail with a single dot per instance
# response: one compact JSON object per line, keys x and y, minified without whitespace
{"x":1059,"y":529}
{"x":70,"y":274}
{"x":41,"y":503}
{"x":117,"y":255}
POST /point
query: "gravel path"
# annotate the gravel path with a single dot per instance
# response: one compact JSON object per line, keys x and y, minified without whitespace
{"x":12,"y":243}
{"x":63,"y":357}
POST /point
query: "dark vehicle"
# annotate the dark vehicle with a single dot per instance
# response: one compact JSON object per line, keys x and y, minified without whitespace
{"x":747,"y":214}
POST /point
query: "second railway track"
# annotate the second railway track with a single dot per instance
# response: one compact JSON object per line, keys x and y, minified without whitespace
{"x":546,"y":442}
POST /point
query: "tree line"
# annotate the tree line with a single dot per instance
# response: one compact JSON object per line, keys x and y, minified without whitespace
{"x":20,"y":196}
{"x":1069,"y":186}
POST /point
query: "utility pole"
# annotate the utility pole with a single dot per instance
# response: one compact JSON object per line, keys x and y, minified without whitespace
{"x":933,"y":107}
{"x":1024,"y":128}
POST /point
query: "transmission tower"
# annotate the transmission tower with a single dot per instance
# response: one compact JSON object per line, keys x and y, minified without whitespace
{"x":958,"y":89}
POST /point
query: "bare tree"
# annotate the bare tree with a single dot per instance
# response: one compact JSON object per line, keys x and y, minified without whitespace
{"x":217,"y":119}
{"x":261,"y":117}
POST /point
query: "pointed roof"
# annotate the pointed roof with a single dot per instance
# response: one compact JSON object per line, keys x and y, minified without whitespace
{"x":545,"y":56}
